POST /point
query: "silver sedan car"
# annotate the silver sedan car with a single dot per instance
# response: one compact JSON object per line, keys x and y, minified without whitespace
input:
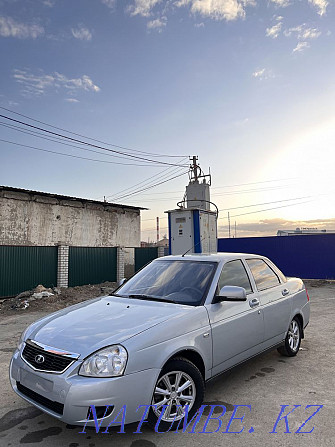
{"x":177,"y":323}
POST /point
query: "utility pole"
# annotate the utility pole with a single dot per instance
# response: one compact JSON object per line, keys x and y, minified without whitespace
{"x":235,"y":229}
{"x":157,"y":219}
{"x":229,"y":224}
{"x":194,"y":167}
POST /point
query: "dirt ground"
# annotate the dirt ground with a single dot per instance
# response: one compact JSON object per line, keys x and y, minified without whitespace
{"x":65,"y":298}
{"x":265,"y":383}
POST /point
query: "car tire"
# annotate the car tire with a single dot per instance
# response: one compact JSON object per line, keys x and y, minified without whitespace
{"x":292,"y":340}
{"x":178,"y":374}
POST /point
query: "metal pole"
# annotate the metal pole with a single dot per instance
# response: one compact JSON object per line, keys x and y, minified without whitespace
{"x":228,"y":223}
{"x":194,"y":167}
{"x":157,"y":229}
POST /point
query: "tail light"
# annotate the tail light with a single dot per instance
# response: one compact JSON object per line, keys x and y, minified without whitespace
{"x":307,"y":294}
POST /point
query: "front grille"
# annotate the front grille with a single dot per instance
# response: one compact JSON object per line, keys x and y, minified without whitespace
{"x":51,"y":363}
{"x":56,"y":407}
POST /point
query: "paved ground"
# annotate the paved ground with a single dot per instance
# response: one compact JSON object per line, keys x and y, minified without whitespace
{"x":264,"y":383}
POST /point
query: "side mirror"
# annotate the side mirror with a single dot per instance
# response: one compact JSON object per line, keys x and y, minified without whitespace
{"x":231,"y":293}
{"x":122,"y":281}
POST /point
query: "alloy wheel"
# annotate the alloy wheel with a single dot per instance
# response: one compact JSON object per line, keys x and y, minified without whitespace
{"x":294,"y":335}
{"x":175,"y":389}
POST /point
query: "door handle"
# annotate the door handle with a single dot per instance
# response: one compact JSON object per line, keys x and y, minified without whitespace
{"x":285,"y":292}
{"x":254,"y":302}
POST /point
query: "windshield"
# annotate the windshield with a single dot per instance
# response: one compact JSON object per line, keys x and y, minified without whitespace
{"x":181,"y":282}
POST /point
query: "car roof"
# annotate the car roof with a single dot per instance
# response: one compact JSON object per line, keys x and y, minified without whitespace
{"x":213,"y":257}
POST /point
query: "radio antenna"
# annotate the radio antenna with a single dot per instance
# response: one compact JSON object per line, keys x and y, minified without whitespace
{"x":193,"y":246}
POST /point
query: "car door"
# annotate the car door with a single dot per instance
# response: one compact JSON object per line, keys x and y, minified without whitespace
{"x":274,"y":298}
{"x":237,"y":327}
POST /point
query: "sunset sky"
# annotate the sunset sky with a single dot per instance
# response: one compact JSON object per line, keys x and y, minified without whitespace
{"x":248,"y":86}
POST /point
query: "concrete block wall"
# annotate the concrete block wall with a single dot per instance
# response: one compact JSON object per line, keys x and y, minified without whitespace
{"x":32,"y":218}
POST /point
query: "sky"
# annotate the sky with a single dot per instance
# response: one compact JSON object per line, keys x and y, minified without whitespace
{"x":246,"y":85}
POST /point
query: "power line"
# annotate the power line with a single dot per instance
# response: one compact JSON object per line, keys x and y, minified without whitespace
{"x":271,"y":188}
{"x":273,"y":208}
{"x":69,"y":155}
{"x":284,"y":206}
{"x":150,"y":183}
{"x":255,"y":183}
{"x":89,"y":138}
{"x":73,"y":156}
{"x":58,"y":140}
{"x":154,"y":218}
{"x":220,"y":195}
{"x":264,"y":203}
{"x":148,"y":187}
{"x":154,"y":229}
{"x":213,"y":195}
{"x":89,"y":144}
{"x":146,"y":181}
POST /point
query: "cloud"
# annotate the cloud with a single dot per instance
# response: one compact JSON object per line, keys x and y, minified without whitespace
{"x":281,"y":3}
{"x":180,"y":3}
{"x":74,"y":100}
{"x":49,"y":3}
{"x":269,"y":227}
{"x":81,"y":33}
{"x":11,"y":28}
{"x":258,"y":73}
{"x":302,"y":32}
{"x":142,"y":7}
{"x":7,"y":102}
{"x":301,"y":46}
{"x":111,"y":4}
{"x":310,"y":33}
{"x":157,"y":24}
{"x":199,"y":25}
{"x":38,"y":85}
{"x":320,"y":5}
{"x":263,"y":73}
{"x":217,"y":9}
{"x":241,"y":122}
{"x":274,"y":30}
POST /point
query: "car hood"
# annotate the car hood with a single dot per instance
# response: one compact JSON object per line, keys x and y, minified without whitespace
{"x":91,"y":325}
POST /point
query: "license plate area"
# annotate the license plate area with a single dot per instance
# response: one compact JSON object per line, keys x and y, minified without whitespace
{"x":35,"y":382}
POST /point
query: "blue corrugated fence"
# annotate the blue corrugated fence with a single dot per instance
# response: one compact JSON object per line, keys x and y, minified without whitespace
{"x":310,"y":256}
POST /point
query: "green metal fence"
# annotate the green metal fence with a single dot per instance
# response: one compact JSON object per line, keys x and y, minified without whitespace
{"x":92,"y":265}
{"x":23,"y":268}
{"x":143,"y":255}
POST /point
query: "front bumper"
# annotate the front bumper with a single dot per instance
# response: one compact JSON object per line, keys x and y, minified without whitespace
{"x":76,"y":393}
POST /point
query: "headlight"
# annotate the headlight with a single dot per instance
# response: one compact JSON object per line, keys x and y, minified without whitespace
{"x":22,"y":338}
{"x":108,"y":362}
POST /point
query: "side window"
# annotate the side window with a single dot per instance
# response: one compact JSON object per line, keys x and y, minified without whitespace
{"x":234,"y":274}
{"x":264,"y":276}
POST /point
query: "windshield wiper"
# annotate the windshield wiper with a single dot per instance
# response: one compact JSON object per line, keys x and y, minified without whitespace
{"x":150,"y":298}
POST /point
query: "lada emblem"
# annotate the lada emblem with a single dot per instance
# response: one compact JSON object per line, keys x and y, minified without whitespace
{"x":39,"y":359}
